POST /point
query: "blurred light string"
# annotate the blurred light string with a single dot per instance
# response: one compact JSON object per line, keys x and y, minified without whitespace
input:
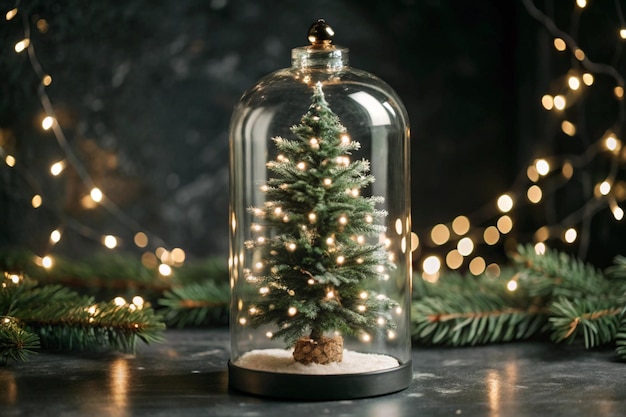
{"x":50,"y":122}
{"x":541,"y":177}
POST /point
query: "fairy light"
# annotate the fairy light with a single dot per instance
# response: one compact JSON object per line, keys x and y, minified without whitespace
{"x":540,"y":248}
{"x":581,"y":3}
{"x":619,"y":92}
{"x":119,"y":301}
{"x":559,"y":44}
{"x":47,"y":122}
{"x":431,"y":265}
{"x":140,"y":239}
{"x":477,"y":266}
{"x":110,"y":241}
{"x":36,"y":201}
{"x":604,"y":188}
{"x":493,"y":270}
{"x":542,"y":166}
{"x":327,"y":182}
{"x":292,"y":311}
{"x":440,"y":234}
{"x":560,"y":102}
{"x":47,"y":262}
{"x":618,"y":213}
{"x":588,"y":79}
{"x":505,"y":224}
{"x":573,"y":82}
{"x":491,"y":235}
{"x":96,"y":194}
{"x":343,"y":220}
{"x":9,"y":160}
{"x":22,"y":45}
{"x":138,"y":301}
{"x":57,"y":168}
{"x":454,"y":259}
{"x":534,"y":194}
{"x":570,"y":235}
{"x":511,"y":285}
{"x":567,"y":170}
{"x":11,"y":14}
{"x":542,"y":234}
{"x":505,"y":203}
{"x":611,"y":143}
{"x":568,"y":128}
{"x":465,"y":246}
{"x":460,"y":225}
{"x":579,"y":54}
{"x":547,"y":101}
{"x":165,"y":270}
{"x":55,"y":236}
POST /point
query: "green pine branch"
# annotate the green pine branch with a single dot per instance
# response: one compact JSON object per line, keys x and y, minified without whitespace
{"x":555,"y":293}
{"x":16,"y":343}
{"x":197,"y":304}
{"x":62,"y":319}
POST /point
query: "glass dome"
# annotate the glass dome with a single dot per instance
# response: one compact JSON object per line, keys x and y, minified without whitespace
{"x":320,"y":231}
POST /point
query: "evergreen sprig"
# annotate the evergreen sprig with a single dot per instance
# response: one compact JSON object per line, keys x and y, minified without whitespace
{"x":56,"y":317}
{"x":553,"y":293}
{"x":197,"y":304}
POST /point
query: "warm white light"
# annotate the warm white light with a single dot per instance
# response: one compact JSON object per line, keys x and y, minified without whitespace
{"x":534,"y":194}
{"x":440,"y":234}
{"x":618,"y":213}
{"x":327,"y":182}
{"x":579,"y":54}
{"x":21,"y":45}
{"x":9,"y":160}
{"x":291,"y":246}
{"x":165,"y":270}
{"x":511,"y":285}
{"x":491,"y":235}
{"x":340,"y":259}
{"x":55,"y":236}
{"x":330,"y":241}
{"x":619,"y":92}
{"x":243,"y":321}
{"x":588,"y":79}
{"x":622,"y":33}
{"x":47,"y":122}
{"x":57,"y":168}
{"x":264,"y":290}
{"x":46,"y":80}
{"x":361,"y":308}
{"x":568,"y":128}
{"x":542,"y":166}
{"x":547,"y":101}
{"x":345,"y":139}
{"x":605,"y":188}
{"x":559,"y":44}
{"x":570,"y":235}
{"x":505,"y":224}
{"x":573,"y":82}
{"x":581,"y":3}
{"x":110,"y":241}
{"x":138,"y":301}
{"x":363,"y":295}
{"x":301,"y":166}
{"x":505,"y":203}
{"x":119,"y":301}
{"x":343,"y":220}
{"x":431,"y":265}
{"x":46,"y":262}
{"x":465,"y":246}
{"x":477,"y":266}
{"x":369,"y":219}
{"x":96,"y":195}
{"x":454,"y":259}
{"x":460,"y":225}
{"x":559,"y":102}
{"x":292,"y":311}
{"x":611,"y":143}
{"x":540,"y":248}
{"x":141,"y":239}
{"x":36,"y":201}
{"x":330,"y":294}
{"x":11,"y":14}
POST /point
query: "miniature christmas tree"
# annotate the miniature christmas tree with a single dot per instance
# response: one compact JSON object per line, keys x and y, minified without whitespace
{"x":320,"y":243}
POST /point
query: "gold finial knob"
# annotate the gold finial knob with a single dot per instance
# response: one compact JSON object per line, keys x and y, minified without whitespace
{"x":320,"y":33}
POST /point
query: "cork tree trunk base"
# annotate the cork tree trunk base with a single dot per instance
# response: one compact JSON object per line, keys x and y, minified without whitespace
{"x":323,"y":350}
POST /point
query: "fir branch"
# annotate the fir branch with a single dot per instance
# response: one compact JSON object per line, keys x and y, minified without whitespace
{"x":66,"y":320}
{"x":472,"y":319}
{"x":554,"y":274}
{"x":197,"y":304}
{"x":16,"y":343}
{"x":597,"y":320}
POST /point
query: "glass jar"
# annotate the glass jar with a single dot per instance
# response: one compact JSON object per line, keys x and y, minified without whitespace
{"x":320,"y":231}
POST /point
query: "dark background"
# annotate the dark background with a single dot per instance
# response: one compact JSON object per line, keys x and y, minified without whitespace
{"x":144,"y":92}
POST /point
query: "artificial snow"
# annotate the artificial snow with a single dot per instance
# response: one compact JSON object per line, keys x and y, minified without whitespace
{"x":282,"y":361}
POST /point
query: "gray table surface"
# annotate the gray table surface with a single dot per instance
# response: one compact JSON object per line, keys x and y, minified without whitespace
{"x":187,"y":376}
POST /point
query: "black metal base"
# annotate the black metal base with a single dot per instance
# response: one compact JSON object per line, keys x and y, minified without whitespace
{"x":320,"y":387}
